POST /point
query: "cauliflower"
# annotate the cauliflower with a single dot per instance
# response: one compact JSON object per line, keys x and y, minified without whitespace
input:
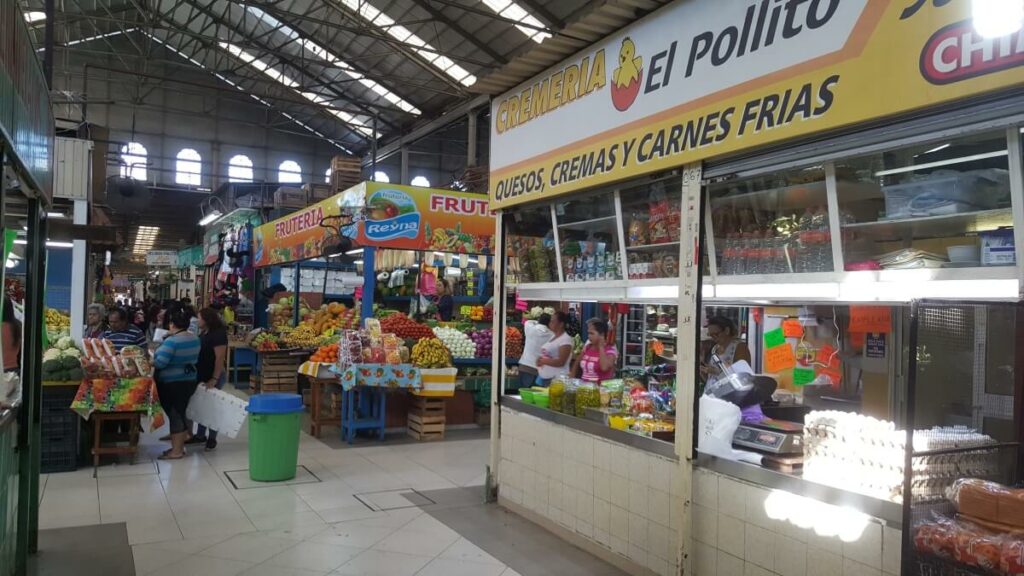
{"x":65,"y":342}
{"x":51,"y":354}
{"x":71,"y":353}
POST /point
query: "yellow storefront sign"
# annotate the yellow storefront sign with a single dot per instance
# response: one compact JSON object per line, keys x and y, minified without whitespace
{"x":706,"y":79}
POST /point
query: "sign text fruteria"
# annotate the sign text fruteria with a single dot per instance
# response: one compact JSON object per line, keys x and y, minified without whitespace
{"x":702,"y":78}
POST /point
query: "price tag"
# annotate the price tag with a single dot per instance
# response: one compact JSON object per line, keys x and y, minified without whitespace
{"x":875,"y":346}
{"x":773,"y":338}
{"x":779,"y":358}
{"x":803,"y":376}
{"x":870,"y":319}
{"x":792,"y":328}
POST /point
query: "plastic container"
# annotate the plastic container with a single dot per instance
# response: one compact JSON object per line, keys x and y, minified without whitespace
{"x":274,"y":424}
{"x":526,"y":394}
{"x":965,"y":253}
{"x":947,"y":194}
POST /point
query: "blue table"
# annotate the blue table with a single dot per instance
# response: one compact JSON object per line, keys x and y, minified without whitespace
{"x":363,"y":408}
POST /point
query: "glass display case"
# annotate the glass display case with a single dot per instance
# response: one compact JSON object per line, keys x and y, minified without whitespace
{"x":589,"y":238}
{"x":943,"y":204}
{"x":651,"y":217}
{"x":772,"y":224}
{"x":531,"y":246}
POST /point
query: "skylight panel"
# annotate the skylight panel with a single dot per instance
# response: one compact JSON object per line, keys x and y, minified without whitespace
{"x":512,"y":11}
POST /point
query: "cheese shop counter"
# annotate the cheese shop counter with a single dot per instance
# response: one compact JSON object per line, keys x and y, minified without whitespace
{"x":593,"y":427}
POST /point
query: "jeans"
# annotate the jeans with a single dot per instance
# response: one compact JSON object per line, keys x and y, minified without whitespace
{"x":526,"y":379}
{"x":200,"y":429}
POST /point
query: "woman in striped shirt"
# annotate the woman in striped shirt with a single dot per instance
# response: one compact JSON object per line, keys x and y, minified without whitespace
{"x":175,"y":363}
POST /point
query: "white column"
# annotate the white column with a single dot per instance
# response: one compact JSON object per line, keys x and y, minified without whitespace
{"x":78,"y":275}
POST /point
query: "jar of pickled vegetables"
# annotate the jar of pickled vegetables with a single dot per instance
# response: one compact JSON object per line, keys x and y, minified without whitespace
{"x":587,"y":396}
{"x":555,"y":393}
{"x":569,"y":400}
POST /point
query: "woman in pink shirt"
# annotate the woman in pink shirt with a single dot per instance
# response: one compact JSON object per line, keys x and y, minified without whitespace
{"x":597,"y":360}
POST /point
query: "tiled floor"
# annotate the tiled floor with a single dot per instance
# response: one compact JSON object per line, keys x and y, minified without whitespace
{"x":186,"y":517}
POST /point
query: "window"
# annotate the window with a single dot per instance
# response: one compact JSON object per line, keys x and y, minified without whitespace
{"x":379,"y":176}
{"x":289,"y":172}
{"x":188,"y":168}
{"x":421,"y":181}
{"x":327,"y":176}
{"x":133,"y":161}
{"x":240,"y":169}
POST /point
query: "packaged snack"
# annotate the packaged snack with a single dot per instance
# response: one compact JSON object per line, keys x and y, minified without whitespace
{"x":128,"y":368}
{"x":1011,"y":557}
{"x":976,"y":498}
{"x":108,"y":348}
{"x":658,"y":223}
{"x":143,"y":365}
{"x":977,"y":547}
{"x":373,"y":327}
{"x":132,"y":351}
{"x":637,"y":233}
{"x":936,"y":537}
{"x":674,"y":221}
{"x":392,"y":349}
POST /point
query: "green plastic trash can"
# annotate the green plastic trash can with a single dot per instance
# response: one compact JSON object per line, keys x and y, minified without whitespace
{"x":274,"y":436}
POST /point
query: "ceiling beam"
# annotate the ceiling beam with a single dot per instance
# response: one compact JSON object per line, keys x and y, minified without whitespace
{"x":456,"y":27}
{"x":541,"y":12}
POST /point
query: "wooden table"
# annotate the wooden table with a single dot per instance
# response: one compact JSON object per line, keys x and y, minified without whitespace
{"x":134,"y":423}
{"x":317,"y":418}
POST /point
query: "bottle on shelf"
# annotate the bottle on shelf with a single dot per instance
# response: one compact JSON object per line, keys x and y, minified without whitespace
{"x":728,"y":255}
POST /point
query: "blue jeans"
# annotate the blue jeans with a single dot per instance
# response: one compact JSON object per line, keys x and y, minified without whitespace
{"x":200,"y":429}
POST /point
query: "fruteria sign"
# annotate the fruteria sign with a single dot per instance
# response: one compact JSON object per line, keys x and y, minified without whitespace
{"x":701,"y":78}
{"x":391,"y":216}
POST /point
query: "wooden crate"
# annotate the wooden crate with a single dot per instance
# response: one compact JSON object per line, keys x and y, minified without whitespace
{"x":279,"y":372}
{"x":346,"y":172}
{"x":426,"y":419}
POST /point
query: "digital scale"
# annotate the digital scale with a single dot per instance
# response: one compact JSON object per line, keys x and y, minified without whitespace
{"x":771,"y":436}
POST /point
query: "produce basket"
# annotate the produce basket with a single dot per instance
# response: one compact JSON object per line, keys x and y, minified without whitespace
{"x":438,"y":382}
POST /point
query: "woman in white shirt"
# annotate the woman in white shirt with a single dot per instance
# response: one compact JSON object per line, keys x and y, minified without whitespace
{"x":536,"y":333}
{"x":556,"y":352}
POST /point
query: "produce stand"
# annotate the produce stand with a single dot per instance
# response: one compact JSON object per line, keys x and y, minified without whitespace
{"x":445,"y":229}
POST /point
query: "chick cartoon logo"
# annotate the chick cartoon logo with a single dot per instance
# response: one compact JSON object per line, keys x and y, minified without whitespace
{"x":627,"y":78}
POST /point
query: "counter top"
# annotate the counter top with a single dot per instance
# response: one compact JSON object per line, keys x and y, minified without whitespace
{"x":890,"y":512}
{"x":659,"y":447}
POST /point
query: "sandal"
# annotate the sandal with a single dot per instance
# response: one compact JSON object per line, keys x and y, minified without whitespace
{"x":196,"y":440}
{"x":167,"y":456}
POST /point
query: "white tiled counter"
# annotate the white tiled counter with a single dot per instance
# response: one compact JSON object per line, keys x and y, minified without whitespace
{"x":736,"y":534}
{"x":617,"y":501}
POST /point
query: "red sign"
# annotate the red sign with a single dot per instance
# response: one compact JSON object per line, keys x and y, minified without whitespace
{"x":870,"y":319}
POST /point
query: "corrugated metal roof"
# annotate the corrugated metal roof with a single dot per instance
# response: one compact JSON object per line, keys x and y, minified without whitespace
{"x":588,"y":29}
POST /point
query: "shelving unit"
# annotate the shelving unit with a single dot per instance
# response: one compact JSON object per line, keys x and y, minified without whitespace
{"x":634,"y":337}
{"x":935,"y":226}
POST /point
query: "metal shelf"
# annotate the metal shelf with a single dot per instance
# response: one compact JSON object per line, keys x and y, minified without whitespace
{"x":945,"y":226}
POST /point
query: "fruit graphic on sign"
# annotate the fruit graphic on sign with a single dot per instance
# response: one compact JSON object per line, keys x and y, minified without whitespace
{"x":627,"y":78}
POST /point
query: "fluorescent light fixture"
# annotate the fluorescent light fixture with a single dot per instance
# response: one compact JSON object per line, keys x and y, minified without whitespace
{"x":52,"y":244}
{"x":997,"y":18}
{"x":21,"y":241}
{"x":908,"y":289}
{"x":358,"y":262}
{"x":34,"y":16}
{"x":209,"y":218}
{"x":818,"y":290}
{"x":938,"y":163}
{"x":936,"y":149}
{"x":354,"y":252}
{"x":55,"y":215}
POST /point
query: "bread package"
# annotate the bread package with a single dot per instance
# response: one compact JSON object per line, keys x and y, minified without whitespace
{"x":976,"y":498}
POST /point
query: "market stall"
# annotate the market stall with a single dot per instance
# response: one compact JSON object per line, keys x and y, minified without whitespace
{"x":799,"y":204}
{"x":380,"y":251}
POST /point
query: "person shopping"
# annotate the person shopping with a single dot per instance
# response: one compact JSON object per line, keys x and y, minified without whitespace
{"x":536,"y":334}
{"x":556,"y":353}
{"x":95,"y":321}
{"x":597,"y":360}
{"x":213,"y":351}
{"x":445,"y":301}
{"x":122,"y":333}
{"x":175,"y":363}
